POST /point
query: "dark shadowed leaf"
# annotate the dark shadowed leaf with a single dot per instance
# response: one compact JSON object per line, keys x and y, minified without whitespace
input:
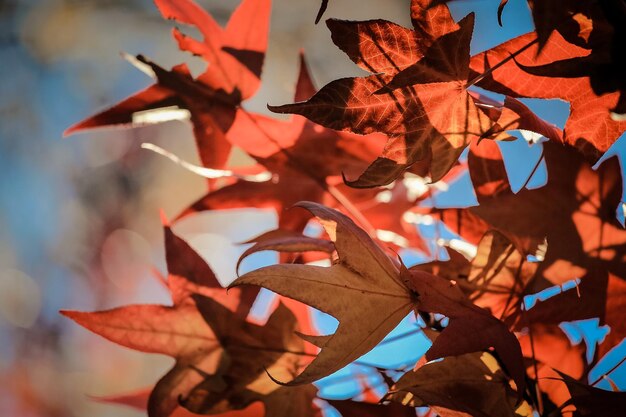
{"x":470,"y":384}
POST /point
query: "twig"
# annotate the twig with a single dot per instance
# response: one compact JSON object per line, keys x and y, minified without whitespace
{"x":501,"y":63}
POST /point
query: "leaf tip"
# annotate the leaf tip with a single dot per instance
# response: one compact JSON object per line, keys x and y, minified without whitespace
{"x":358,"y":183}
{"x":500,"y":10}
{"x":71,"y":314}
{"x":69,"y":131}
{"x":164,"y":220}
{"x":332,"y":23}
{"x":276,"y":381}
{"x":277,"y":109}
{"x":321,"y":11}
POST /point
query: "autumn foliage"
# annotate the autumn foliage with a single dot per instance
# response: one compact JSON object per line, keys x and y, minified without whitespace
{"x":362,"y":157}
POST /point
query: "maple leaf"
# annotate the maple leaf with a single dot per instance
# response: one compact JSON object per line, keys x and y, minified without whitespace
{"x":235,"y":57}
{"x":472,"y":384}
{"x":243,"y":379}
{"x":556,"y":72}
{"x":587,"y":300}
{"x":591,"y":24}
{"x":214,"y":372}
{"x":551,"y":353}
{"x":389,"y":211}
{"x":179,"y":331}
{"x":189,"y":274}
{"x":210,"y":341}
{"x":506,"y":280}
{"x":381,"y":294}
{"x":594,"y":25}
{"x":234,"y":54}
{"x":418,"y":96}
{"x":285,"y":241}
{"x":139,"y":400}
{"x":306,"y":161}
{"x":599,"y":294}
{"x":614,"y":314}
{"x":498,"y":276}
{"x":301,"y":156}
{"x":363,"y":270}
{"x":574,"y":212}
{"x":594,"y":402}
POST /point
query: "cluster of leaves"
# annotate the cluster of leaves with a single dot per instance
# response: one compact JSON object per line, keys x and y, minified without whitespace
{"x":420,"y":112}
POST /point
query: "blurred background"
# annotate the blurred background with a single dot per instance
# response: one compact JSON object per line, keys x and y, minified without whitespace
{"x":79,"y":223}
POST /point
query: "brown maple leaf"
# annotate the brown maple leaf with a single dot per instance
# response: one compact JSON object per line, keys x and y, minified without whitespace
{"x":594,"y":402}
{"x":472,"y":384}
{"x":370,"y":294}
{"x":499,"y":275}
{"x":234,"y":56}
{"x":288,"y":242}
{"x":243,"y":377}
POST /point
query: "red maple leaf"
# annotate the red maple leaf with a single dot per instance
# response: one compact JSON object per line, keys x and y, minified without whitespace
{"x":558,"y":71}
{"x":235,"y":58}
{"x":431,"y":118}
{"x":417,"y":96}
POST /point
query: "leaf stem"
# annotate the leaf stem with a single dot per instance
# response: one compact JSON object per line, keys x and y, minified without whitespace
{"x":535,"y":368}
{"x":613,"y":368}
{"x":480,"y":77}
{"x":535,"y":168}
